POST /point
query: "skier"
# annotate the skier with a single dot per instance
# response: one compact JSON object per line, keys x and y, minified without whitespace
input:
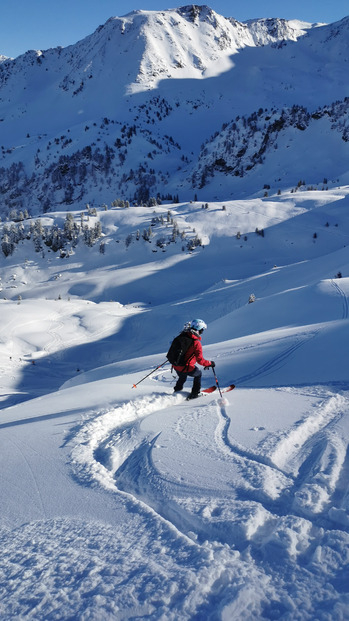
{"x":192,"y":356}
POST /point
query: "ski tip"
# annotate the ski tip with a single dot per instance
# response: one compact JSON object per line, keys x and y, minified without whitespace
{"x":134,"y":385}
{"x":229,"y":388}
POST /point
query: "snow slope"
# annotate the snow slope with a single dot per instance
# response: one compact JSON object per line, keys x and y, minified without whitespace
{"x":124,"y":503}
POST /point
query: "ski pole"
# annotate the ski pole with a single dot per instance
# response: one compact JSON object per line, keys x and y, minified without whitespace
{"x":153,"y":371}
{"x":216,"y":380}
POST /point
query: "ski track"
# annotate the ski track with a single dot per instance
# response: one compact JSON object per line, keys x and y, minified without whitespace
{"x":277,"y":361}
{"x":108,"y":430}
{"x":345,"y":305}
{"x":304,"y":475}
{"x":32,"y":475}
{"x":279,"y":502}
{"x":316,"y":459}
{"x":117,"y":456}
{"x":56,"y":344}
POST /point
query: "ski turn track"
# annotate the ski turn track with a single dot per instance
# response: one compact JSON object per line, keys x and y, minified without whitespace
{"x":303,"y":468}
{"x":109,"y":450}
{"x":283,"y":503}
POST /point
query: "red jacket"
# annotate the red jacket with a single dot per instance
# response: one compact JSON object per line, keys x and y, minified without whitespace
{"x":194,"y":355}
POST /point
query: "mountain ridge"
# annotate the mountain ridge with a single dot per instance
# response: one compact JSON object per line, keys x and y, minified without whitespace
{"x":118,"y":103}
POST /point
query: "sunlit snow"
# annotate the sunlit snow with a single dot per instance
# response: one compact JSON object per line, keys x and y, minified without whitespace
{"x":120,"y":502}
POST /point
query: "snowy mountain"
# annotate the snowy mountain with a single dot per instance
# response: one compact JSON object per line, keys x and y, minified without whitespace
{"x":132,"y":503}
{"x":108,"y":118}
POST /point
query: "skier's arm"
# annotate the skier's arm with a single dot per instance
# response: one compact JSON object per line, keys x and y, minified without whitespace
{"x":199,"y":355}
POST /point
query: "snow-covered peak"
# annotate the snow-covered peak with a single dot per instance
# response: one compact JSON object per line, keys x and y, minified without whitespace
{"x":272,"y":30}
{"x":194,"y":41}
{"x":188,"y":42}
{"x":196,"y":13}
{"x":146,"y":90}
{"x":143,"y":47}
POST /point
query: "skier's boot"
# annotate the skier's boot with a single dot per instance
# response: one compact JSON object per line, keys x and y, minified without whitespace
{"x":194,"y":395}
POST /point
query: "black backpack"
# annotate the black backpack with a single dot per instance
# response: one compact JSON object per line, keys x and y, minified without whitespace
{"x":178,"y":349}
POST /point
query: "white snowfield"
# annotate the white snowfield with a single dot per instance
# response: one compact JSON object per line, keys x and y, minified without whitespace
{"x":132,"y":503}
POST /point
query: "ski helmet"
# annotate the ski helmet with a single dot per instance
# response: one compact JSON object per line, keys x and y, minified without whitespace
{"x":198,"y":325}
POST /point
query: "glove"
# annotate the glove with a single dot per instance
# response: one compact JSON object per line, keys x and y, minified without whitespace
{"x":213,"y":364}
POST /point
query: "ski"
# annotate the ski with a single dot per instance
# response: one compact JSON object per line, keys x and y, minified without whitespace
{"x":213,"y":388}
{"x":228,"y":388}
{"x":210,"y":389}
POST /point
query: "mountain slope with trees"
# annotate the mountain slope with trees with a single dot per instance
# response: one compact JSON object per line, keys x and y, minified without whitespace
{"x":108,"y":117}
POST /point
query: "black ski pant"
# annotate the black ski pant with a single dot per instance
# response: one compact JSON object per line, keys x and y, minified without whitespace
{"x":196,"y":373}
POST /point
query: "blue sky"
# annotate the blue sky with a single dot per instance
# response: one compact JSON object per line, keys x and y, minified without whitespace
{"x":41,"y":24}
